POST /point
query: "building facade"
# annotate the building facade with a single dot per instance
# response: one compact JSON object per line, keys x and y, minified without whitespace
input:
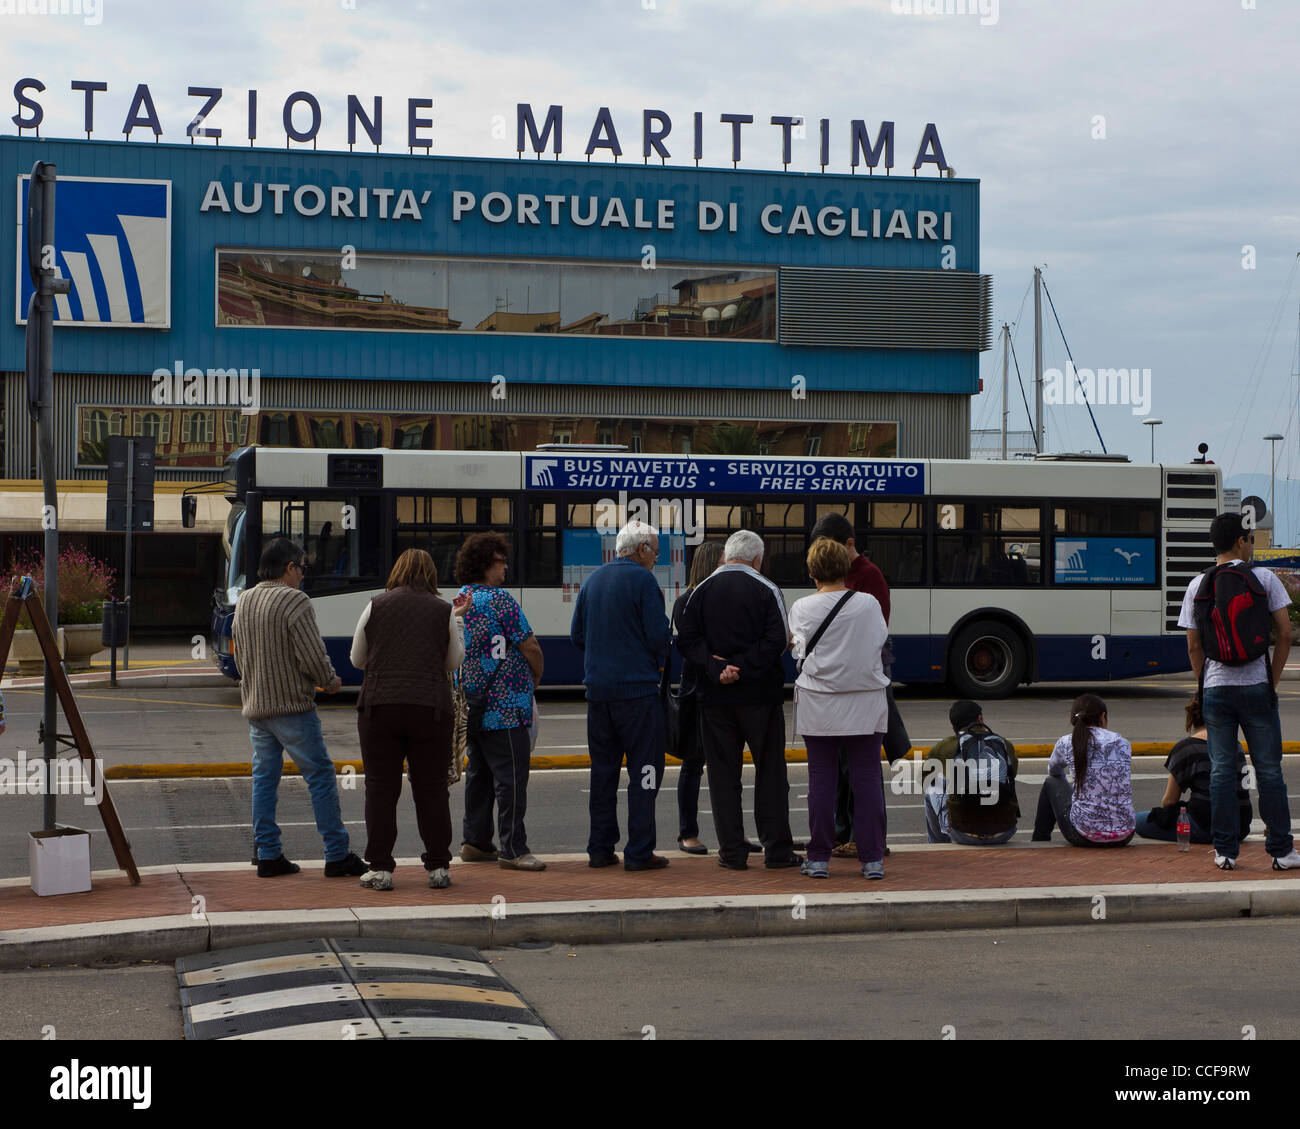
{"x":226,"y":296}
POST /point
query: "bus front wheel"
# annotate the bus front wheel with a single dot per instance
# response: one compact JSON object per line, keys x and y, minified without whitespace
{"x":987,"y":660}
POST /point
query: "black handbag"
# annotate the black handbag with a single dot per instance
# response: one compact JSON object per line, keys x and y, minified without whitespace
{"x":476,"y":704}
{"x":677,"y":711}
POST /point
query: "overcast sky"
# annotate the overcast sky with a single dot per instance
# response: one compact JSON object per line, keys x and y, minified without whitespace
{"x":1134,"y":148}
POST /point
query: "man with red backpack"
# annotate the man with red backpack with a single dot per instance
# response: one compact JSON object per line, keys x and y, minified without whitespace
{"x":1228,"y":612}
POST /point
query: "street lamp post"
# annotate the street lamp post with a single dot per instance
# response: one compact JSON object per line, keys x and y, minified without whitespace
{"x":1272,"y":440}
{"x":1153,"y":424}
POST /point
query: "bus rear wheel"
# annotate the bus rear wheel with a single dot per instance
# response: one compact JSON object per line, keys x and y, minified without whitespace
{"x":987,"y":660}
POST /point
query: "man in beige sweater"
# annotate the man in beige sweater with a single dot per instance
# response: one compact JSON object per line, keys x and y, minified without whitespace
{"x":281,"y":660}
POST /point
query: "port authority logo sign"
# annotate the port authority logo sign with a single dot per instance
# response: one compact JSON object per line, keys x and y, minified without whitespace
{"x":749,"y":474}
{"x":112,"y":239}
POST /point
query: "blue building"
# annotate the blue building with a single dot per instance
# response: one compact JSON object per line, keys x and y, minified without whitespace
{"x":224,"y":296}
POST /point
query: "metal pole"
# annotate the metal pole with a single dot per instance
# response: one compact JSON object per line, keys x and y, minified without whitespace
{"x":1006,"y":350}
{"x":1272,"y":486}
{"x":1153,"y":443}
{"x":130,"y":522}
{"x":49,"y":481}
{"x":1038,"y":359}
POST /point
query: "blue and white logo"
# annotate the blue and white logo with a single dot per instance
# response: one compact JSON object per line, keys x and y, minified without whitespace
{"x":112,"y":239}
{"x":1106,"y":560}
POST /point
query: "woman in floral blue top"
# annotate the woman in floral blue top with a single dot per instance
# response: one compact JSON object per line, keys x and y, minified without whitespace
{"x":1089,"y":788}
{"x":504,"y":660}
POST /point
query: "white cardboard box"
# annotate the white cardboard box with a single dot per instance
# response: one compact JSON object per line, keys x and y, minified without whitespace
{"x":60,"y":860}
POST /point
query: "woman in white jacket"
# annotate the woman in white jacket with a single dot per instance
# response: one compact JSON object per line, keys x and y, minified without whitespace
{"x":840,"y":702}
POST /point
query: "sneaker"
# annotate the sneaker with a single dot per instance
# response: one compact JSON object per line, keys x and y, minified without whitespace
{"x":439,"y":879}
{"x":816,"y":869}
{"x":471,"y":853}
{"x":1288,"y":862}
{"x":377,"y":880}
{"x":873,"y":869}
{"x":1225,"y":863}
{"x":347,"y":867}
{"x":273,"y":868}
{"x":521,"y":862}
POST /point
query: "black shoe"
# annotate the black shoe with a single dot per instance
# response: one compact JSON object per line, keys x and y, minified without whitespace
{"x":256,"y":860}
{"x":791,"y":859}
{"x":700,"y":850}
{"x":596,"y":862}
{"x":887,"y":852}
{"x":732,"y":865}
{"x":349,"y":867}
{"x":273,"y":868}
{"x":654,"y":862}
{"x":754,"y":848}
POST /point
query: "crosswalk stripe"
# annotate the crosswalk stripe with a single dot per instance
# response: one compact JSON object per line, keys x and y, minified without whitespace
{"x":267,"y":966}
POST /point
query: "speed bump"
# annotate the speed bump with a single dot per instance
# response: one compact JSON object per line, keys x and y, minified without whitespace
{"x":351,"y":989}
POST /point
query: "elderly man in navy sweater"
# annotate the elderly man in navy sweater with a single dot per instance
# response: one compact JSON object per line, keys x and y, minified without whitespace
{"x":620,"y":626}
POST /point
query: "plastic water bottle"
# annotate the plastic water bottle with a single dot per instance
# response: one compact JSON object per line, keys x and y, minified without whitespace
{"x":1184,"y":829}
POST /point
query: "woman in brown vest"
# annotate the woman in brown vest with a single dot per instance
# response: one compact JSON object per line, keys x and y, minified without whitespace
{"x":406,"y":641}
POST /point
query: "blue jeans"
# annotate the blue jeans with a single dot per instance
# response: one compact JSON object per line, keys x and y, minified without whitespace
{"x":1254,"y":708}
{"x":1145,"y":829}
{"x":299,"y":735}
{"x":635,"y":728}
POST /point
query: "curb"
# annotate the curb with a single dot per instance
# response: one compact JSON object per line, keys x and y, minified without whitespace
{"x":653,"y":919}
{"x":793,"y":755}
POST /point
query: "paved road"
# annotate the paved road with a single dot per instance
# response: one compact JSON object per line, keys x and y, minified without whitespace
{"x":204,"y":725}
{"x":192,"y":821}
{"x":1110,"y":981}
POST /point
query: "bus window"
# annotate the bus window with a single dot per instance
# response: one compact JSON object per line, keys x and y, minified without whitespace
{"x":1112,"y":519}
{"x":337,"y":535}
{"x":983,"y":543}
{"x":892,"y":540}
{"x":541,"y":545}
{"x":440,"y":525}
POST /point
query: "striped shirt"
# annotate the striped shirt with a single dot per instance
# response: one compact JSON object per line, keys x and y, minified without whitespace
{"x":279,"y":651}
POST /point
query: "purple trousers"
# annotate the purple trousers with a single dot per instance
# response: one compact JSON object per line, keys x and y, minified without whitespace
{"x":863,"y":754}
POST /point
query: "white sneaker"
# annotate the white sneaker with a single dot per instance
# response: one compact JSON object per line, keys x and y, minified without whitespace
{"x":439,"y":879}
{"x":377,"y":880}
{"x":1225,"y":863}
{"x":1288,"y":862}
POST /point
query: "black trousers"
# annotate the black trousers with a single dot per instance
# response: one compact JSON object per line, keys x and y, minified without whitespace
{"x":725,"y":731}
{"x":421,"y":737}
{"x":498,"y":767}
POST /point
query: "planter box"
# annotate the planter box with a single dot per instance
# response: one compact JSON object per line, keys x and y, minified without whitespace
{"x":83,"y":641}
{"x":27,"y":650}
{"x":60,"y":861}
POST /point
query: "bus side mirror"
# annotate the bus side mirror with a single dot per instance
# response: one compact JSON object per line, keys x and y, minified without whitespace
{"x":189,"y":509}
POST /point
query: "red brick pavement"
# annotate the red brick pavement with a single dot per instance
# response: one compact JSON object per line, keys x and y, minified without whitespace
{"x":239,"y":888}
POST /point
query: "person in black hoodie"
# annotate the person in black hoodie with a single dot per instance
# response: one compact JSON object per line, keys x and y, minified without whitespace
{"x":1189,"y":771}
{"x":734,"y":629}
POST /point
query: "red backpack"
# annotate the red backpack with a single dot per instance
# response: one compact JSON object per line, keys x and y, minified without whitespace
{"x":1231,"y":613}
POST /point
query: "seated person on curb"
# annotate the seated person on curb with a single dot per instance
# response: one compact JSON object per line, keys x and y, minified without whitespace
{"x":1089,"y":785}
{"x":1189,"y":771}
{"x":971,"y":798}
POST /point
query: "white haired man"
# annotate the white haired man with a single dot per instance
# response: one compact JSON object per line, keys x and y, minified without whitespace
{"x":734,"y":629}
{"x":620,"y":626}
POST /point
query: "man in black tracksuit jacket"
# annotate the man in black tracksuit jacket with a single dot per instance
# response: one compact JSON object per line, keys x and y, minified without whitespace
{"x":734,"y":629}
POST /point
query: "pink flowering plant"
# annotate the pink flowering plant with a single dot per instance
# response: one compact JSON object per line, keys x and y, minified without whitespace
{"x":84,"y":583}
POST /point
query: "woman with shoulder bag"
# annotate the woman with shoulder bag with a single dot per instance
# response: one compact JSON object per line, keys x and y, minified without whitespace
{"x":690,"y":748}
{"x":406,"y":642}
{"x":840,"y":702}
{"x":503,"y":663}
